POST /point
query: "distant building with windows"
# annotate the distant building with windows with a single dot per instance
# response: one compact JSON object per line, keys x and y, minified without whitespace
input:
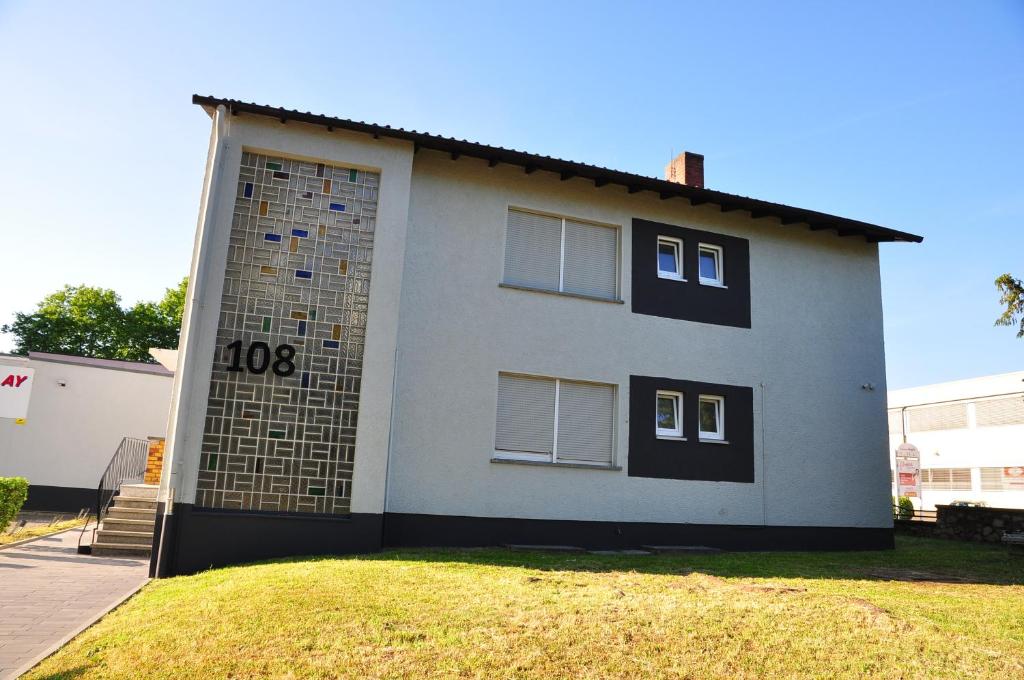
{"x":400,"y":339}
{"x":970,"y":434}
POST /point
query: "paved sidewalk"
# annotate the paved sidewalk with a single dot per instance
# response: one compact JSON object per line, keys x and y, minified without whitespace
{"x":49,"y":593}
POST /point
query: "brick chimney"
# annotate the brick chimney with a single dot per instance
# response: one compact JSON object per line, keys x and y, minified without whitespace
{"x":686,"y":168}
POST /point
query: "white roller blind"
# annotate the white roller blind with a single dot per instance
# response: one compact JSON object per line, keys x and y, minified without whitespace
{"x":533,"y":250}
{"x":939,"y":417}
{"x":585,"y":422}
{"x":1003,"y":411}
{"x":526,"y":414}
{"x":591,"y":259}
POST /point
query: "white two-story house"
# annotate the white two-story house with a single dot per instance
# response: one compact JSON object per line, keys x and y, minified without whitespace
{"x":399,"y":339}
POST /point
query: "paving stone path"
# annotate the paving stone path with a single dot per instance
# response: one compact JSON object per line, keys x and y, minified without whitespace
{"x":49,"y":593}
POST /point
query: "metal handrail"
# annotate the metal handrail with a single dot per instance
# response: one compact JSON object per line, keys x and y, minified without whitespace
{"x":128,"y":464}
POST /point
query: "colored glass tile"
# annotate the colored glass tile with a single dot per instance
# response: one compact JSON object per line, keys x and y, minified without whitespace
{"x":247,"y":191}
{"x":317,"y":491}
{"x":301,"y":233}
{"x":343,"y":267}
{"x":281,"y":175}
{"x":257,"y":466}
{"x":352,"y":175}
{"x":266,"y":324}
{"x":303,"y":274}
{"x":319,"y":169}
{"x":307,"y":194}
{"x":302,"y":328}
{"x":355,"y":220}
{"x":301,"y":316}
{"x":211,"y":462}
{"x":322,"y":230}
{"x":312,"y":315}
{"x":330,"y":344}
{"x":276,"y":238}
{"x":276,"y":434}
{"x":270,"y":271}
{"x":271,"y":165}
{"x":327,"y":186}
{"x":293,"y":245}
{"x":336,"y":332}
{"x":338,"y":207}
{"x":249,"y":415}
{"x":305,"y":380}
{"x":264,"y":207}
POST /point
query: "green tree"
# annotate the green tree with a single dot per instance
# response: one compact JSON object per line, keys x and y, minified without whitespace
{"x":1011,"y":294}
{"x":87,"y":321}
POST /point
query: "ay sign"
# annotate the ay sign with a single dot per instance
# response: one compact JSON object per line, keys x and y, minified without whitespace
{"x":15,"y":390}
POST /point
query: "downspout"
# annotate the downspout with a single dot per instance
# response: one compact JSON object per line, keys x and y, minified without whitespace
{"x":764,"y":465}
{"x":387,"y":458}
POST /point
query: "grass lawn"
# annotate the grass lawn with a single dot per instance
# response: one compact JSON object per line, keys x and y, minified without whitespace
{"x":498,"y":614}
{"x":39,"y":530}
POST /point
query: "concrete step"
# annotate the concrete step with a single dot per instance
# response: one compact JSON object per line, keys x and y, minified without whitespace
{"x":143,"y":539}
{"x":131,"y":513}
{"x":121,"y":524}
{"x":118,"y":550}
{"x":145,"y":491}
{"x":123,"y":502}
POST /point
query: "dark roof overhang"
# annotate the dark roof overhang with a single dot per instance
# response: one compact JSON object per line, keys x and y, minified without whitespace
{"x":494,"y":155}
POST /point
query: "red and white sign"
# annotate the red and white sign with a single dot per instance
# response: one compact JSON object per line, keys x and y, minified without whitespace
{"x":15,"y":391}
{"x":1013,"y":478}
{"x":908,"y":471}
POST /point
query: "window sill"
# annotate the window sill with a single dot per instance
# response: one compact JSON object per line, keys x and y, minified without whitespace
{"x":538,"y":463}
{"x":671,"y":438}
{"x":560,"y":293}
{"x":702,"y":440}
{"x":714,"y":284}
{"x":669,"y":277}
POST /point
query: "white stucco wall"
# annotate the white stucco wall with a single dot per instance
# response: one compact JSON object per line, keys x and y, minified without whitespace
{"x":816,"y":337}
{"x":73,"y":430}
{"x":393,"y":160}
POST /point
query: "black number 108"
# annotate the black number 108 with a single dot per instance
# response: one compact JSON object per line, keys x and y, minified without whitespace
{"x":257,"y":359}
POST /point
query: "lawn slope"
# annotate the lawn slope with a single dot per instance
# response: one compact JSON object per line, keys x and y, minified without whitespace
{"x":927,"y":609}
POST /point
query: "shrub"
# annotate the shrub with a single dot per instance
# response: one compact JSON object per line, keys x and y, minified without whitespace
{"x":905,"y":509}
{"x":13,"y":492}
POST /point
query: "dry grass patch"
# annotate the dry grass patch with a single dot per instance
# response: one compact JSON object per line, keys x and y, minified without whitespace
{"x":497,"y":614}
{"x":38,"y":530}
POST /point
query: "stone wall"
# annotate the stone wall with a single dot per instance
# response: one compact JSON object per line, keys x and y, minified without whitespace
{"x":977,"y":524}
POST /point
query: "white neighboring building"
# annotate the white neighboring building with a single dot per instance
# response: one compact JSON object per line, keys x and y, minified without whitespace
{"x":971,"y":437}
{"x":79,"y":410}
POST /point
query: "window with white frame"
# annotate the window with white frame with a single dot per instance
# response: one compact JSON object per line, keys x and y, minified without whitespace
{"x":561,"y":254}
{"x":709,"y":265}
{"x":670,"y":258}
{"x":554,"y":421}
{"x":669,"y":414}
{"x":711,"y":414}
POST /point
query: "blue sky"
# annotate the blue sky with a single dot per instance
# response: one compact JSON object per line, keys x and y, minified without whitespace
{"x":909,"y":115}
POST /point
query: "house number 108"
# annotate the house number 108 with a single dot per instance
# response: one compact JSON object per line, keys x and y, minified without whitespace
{"x":257,"y":359}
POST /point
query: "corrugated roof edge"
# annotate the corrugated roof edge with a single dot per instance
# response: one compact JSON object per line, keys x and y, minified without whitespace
{"x":816,"y":221}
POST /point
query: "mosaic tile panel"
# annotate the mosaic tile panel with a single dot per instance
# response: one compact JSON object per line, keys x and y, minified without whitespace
{"x":298,"y":273}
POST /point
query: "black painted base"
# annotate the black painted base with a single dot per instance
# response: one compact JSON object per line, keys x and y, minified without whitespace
{"x":59,"y":498}
{"x":193,"y":539}
{"x":446,"y":530}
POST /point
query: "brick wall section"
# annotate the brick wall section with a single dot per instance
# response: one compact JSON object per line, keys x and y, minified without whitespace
{"x":155,"y":460}
{"x":977,"y":524}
